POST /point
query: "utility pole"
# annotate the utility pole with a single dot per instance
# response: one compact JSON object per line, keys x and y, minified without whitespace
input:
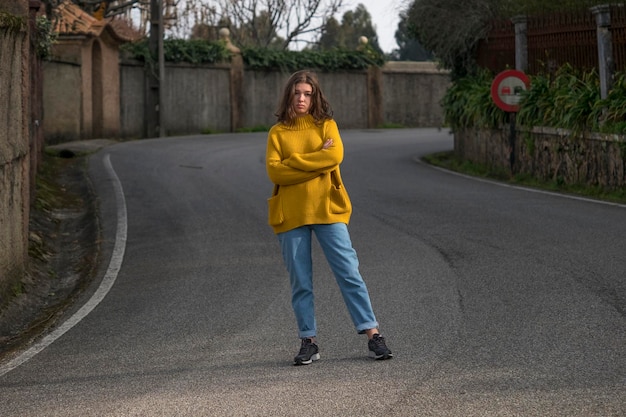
{"x":155,"y":72}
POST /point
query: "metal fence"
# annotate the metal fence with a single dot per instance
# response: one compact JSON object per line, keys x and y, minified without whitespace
{"x":554,"y":40}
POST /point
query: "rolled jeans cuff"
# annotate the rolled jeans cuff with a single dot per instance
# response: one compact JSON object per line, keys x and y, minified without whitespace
{"x":366,"y":326}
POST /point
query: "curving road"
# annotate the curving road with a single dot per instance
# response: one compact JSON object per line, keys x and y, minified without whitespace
{"x":496,"y":301}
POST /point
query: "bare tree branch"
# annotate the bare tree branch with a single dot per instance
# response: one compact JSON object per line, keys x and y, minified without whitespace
{"x":275,"y":22}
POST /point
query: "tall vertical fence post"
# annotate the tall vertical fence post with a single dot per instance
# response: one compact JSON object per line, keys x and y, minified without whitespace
{"x":605,"y":47}
{"x":236,"y":81}
{"x":374,"y":90}
{"x":521,"y":42}
{"x":155,"y":71}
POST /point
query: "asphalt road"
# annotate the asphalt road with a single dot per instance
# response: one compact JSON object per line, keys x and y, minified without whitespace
{"x":496,"y":301}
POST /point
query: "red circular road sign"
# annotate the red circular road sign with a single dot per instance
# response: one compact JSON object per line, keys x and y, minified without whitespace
{"x":507,"y":87}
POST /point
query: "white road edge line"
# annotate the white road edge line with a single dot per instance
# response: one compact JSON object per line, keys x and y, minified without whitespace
{"x":106,"y":284}
{"x":517,"y":187}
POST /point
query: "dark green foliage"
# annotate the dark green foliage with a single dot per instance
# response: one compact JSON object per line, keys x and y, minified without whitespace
{"x":201,"y":51}
{"x":570,"y":100}
{"x":611,"y":112}
{"x":567,"y":100}
{"x":575,"y":94}
{"x":43,"y":37}
{"x":333,"y":60}
{"x":452,"y":29}
{"x":468,"y":103}
{"x":194,"y":51}
{"x":409,"y":48}
{"x":12,"y":23}
{"x":354,"y":24}
{"x":539,"y":94}
{"x":136,"y":50}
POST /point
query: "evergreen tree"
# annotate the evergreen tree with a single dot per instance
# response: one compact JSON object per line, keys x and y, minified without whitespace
{"x":409,"y":48}
{"x":354,"y":24}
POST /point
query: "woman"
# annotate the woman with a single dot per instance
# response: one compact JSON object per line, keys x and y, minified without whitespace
{"x":304,"y":151}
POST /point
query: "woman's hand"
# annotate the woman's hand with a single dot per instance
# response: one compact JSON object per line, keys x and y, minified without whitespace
{"x":327,"y":144}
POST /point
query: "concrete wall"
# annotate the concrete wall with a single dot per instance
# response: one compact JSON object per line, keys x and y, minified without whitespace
{"x":132,"y":101}
{"x":412,"y":93}
{"x":197,"y":98}
{"x":259,"y":108}
{"x":346,"y":92}
{"x":549,"y":155}
{"x":106,"y":121}
{"x":81,"y":89}
{"x":14,"y":149}
{"x":62,"y":98}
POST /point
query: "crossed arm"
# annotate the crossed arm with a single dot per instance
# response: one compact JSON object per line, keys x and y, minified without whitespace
{"x":302,"y":167}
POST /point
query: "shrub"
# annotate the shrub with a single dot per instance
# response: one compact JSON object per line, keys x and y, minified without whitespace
{"x":468,"y":103}
{"x":570,"y":99}
{"x":200,"y":51}
{"x":178,"y":50}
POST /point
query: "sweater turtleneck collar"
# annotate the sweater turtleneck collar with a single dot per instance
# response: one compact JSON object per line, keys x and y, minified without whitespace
{"x":302,"y":123}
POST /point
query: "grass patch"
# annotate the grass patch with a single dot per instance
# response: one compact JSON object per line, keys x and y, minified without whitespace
{"x":17,"y":289}
{"x":50,"y":193}
{"x":447,"y":160}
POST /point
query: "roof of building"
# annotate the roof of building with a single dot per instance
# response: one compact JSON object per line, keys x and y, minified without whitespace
{"x":72,"y":20}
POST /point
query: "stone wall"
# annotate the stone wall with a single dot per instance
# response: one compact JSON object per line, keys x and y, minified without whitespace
{"x":549,"y":154}
{"x":14,"y":148}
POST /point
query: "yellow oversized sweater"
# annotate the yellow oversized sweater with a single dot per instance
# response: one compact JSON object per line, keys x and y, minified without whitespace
{"x":301,"y":172}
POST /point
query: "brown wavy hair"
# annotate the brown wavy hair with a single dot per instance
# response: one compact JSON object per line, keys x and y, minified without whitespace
{"x":320,"y":107}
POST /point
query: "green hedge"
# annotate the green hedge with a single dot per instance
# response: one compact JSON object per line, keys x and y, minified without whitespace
{"x":568,"y":99}
{"x":204,"y":52}
{"x":178,"y":50}
{"x":333,"y":60}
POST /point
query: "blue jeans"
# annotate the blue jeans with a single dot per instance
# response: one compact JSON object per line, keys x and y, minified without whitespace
{"x":335,"y":242}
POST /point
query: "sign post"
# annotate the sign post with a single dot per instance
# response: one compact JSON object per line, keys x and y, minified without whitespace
{"x":506,"y":92}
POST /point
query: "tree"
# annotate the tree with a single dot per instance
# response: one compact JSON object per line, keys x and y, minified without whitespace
{"x":101,"y":8}
{"x":354,"y":24}
{"x":258,"y":32}
{"x":409,"y":48}
{"x":332,"y":35}
{"x":453,"y":28}
{"x":264,"y":23}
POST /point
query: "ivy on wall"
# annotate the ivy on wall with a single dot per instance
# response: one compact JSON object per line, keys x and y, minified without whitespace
{"x":333,"y":60}
{"x":177,"y":50}
{"x":205,"y":52}
{"x":12,"y":23}
{"x":43,"y":36}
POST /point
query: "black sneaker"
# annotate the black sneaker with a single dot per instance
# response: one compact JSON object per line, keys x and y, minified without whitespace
{"x":309,"y":352}
{"x":378,"y":348}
